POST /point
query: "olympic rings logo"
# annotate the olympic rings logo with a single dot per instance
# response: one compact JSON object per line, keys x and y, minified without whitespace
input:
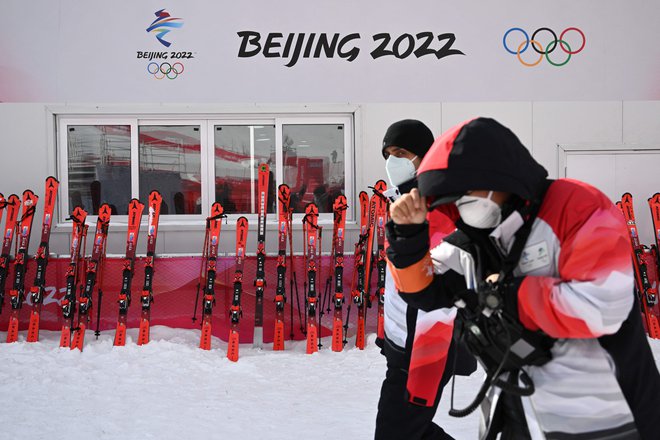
{"x":165,"y":70}
{"x":544,"y":51}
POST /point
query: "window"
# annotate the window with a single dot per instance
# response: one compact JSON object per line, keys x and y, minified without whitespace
{"x":195,"y":161}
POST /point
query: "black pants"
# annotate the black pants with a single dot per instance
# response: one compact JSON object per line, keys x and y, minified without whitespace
{"x":397,"y":419}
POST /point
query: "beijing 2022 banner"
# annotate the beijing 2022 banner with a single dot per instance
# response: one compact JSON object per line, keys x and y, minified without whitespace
{"x":205,"y":51}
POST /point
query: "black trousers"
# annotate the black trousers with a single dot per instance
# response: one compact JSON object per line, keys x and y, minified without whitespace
{"x":397,"y":419}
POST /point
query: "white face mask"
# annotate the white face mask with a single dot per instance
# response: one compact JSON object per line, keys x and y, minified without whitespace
{"x":479,"y":212}
{"x":399,"y":169}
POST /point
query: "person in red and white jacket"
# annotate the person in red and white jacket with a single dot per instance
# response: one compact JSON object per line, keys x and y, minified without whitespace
{"x":555,"y":256}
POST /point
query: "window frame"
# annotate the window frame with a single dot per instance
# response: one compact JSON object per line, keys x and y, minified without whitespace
{"x":206,"y":122}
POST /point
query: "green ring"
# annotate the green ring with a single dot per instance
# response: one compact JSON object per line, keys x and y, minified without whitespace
{"x":548,"y":58}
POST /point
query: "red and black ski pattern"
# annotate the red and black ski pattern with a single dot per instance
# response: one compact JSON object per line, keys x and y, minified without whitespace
{"x":73,"y":273}
{"x":214,"y":223}
{"x":339,"y":208}
{"x":13,"y":205}
{"x":284,"y":203}
{"x":39,"y":285}
{"x":311,"y":233}
{"x":135,"y":208}
{"x":17,"y":293}
{"x":147,"y":296}
{"x":260,"y":278}
{"x":381,"y":262}
{"x":93,"y":273}
{"x":235,"y":311}
{"x":359,"y":271}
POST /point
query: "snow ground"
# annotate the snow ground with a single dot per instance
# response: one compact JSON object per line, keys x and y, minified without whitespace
{"x":170,"y":389}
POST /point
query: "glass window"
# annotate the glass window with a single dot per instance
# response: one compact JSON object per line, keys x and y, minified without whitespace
{"x":239,"y":150}
{"x":170,"y":161}
{"x":313,"y":164}
{"x":99,"y":167}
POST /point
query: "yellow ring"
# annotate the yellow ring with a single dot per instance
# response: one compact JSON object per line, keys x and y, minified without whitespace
{"x":540,"y":48}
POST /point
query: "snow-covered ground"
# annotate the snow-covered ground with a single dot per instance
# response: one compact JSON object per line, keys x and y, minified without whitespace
{"x":170,"y":389}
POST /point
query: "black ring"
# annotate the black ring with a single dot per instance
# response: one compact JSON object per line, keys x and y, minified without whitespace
{"x":553,"y":35}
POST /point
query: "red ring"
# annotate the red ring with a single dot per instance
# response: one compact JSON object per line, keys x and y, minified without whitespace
{"x":584,"y":40}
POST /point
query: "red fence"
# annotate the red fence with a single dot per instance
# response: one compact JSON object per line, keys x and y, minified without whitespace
{"x":175,"y":289}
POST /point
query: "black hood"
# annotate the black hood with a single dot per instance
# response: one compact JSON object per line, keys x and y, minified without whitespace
{"x":479,"y":154}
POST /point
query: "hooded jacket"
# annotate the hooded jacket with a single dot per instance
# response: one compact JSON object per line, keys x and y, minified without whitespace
{"x":573,"y":281}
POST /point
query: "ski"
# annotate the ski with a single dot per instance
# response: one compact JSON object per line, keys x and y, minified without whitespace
{"x":357,"y":288}
{"x":311,"y":235}
{"x":648,"y":293}
{"x":654,"y":205}
{"x":68,"y":303}
{"x":214,"y":222}
{"x":135,"y":208}
{"x":94,"y":272}
{"x":367,"y":258}
{"x":339,"y":213}
{"x":147,"y":297}
{"x":13,"y":204}
{"x":17,"y":293}
{"x":284,"y":201}
{"x":235,"y":311}
{"x":260,"y":279}
{"x":39,"y":285}
{"x":381,"y":263}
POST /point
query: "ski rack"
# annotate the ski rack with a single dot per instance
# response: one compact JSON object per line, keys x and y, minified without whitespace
{"x":17,"y":293}
{"x":214,"y":222}
{"x":260,"y":278}
{"x":73,"y":273}
{"x":39,"y":285}
{"x":93,"y":273}
{"x":235,"y":311}
{"x":13,"y":204}
{"x":339,"y":208}
{"x":284,"y":202}
{"x":135,"y":208}
{"x":147,"y":296}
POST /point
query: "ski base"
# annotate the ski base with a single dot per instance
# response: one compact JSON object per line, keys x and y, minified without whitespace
{"x":359,"y":336}
{"x":278,"y":337}
{"x":33,"y":327}
{"x":78,"y":337}
{"x":205,"y":338}
{"x":232,"y":348}
{"x":12,"y":330}
{"x":120,"y":335}
{"x":143,"y":335}
{"x":312,"y":337}
{"x":337,"y":331}
{"x":258,"y":341}
{"x":65,"y":336}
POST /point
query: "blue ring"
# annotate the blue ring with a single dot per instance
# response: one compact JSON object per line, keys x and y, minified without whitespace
{"x":157,"y":68}
{"x":513,"y":52}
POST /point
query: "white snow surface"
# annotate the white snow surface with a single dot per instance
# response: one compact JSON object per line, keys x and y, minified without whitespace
{"x":171,"y":389}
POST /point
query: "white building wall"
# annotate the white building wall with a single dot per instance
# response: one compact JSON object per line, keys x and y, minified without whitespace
{"x":28,"y":156}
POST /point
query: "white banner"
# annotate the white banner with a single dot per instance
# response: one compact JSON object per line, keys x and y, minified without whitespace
{"x":327,"y":52}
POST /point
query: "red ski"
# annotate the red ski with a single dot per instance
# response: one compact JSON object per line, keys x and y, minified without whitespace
{"x":94,"y":273}
{"x":260,"y":278}
{"x":359,"y":274}
{"x":73,"y":273}
{"x":311,"y":227}
{"x":284,"y":201}
{"x":381,"y":262}
{"x":647,"y":292}
{"x":214,"y":223}
{"x":17,"y":293}
{"x":235,"y":311}
{"x":135,"y":208}
{"x":147,"y":297}
{"x":13,"y":204}
{"x":339,"y":210}
{"x":39,"y":285}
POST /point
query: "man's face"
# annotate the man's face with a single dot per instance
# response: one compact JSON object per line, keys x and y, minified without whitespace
{"x":403,"y":153}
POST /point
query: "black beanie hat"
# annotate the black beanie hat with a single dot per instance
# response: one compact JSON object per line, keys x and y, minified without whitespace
{"x":410,"y":134}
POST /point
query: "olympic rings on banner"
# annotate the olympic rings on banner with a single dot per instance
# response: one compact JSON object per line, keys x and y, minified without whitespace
{"x":538,"y":47}
{"x":165,"y":70}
